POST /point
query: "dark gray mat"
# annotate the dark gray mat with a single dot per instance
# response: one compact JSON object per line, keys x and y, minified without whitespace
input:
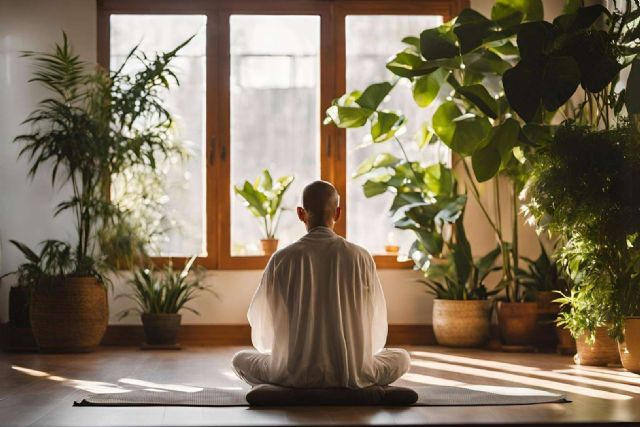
{"x":428,"y":396}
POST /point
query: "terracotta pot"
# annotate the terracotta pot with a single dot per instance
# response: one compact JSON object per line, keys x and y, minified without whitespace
{"x":603,"y":352}
{"x":269,"y":246}
{"x":517,"y":322}
{"x":19,"y":306}
{"x":461,"y":323}
{"x":546,"y":337}
{"x":161,"y":328}
{"x":566,"y":343}
{"x":630,"y":348}
{"x":69,"y":314}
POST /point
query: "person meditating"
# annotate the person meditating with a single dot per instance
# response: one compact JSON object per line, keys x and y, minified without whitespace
{"x":318,"y":318}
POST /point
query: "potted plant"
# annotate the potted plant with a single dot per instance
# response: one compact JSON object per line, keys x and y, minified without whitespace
{"x":263,"y":198}
{"x":160,"y":296}
{"x":459,"y":66}
{"x":94,"y":125}
{"x":461,"y":309}
{"x":542,"y":279}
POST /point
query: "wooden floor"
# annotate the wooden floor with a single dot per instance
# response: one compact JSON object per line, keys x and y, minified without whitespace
{"x":39,"y":390}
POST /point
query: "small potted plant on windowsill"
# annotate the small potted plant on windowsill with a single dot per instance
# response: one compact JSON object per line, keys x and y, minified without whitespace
{"x":263,"y":199}
{"x":159,"y":296}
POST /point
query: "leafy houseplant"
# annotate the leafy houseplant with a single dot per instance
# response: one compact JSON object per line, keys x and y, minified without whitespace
{"x":461,"y":311}
{"x":93,"y":126}
{"x":460,"y":65}
{"x":590,"y":205}
{"x":159,"y":296}
{"x":263,"y":199}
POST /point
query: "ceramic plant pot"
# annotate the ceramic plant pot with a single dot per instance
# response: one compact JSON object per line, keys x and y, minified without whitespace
{"x":161,"y":329}
{"x":566,"y":343}
{"x":461,"y":323}
{"x":603,"y":351}
{"x":69,"y":314}
{"x":630,"y":348}
{"x":517,"y":322}
{"x":269,"y":246}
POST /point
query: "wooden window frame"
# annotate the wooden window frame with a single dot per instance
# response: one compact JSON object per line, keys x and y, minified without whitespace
{"x":333,"y":165}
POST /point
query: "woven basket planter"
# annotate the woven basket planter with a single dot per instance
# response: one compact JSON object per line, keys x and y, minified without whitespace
{"x":69,"y":315}
{"x":603,"y":352}
{"x":630,"y":348}
{"x":517,"y":322}
{"x":461,"y":323}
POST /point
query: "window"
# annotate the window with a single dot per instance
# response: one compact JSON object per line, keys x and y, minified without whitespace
{"x":182,"y":200}
{"x":370,"y":41}
{"x":255,"y":83}
{"x":275,"y":115}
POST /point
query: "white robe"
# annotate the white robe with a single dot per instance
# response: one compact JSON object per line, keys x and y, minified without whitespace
{"x":319,"y":319}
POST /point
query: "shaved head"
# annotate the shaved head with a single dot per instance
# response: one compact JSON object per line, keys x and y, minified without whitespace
{"x":320,"y":200}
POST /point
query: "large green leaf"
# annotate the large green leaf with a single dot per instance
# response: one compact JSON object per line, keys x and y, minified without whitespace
{"x":438,"y":43}
{"x":486,"y":162}
{"x":632,"y":95}
{"x":580,"y":19}
{"x":380,"y":160}
{"x":479,"y":96}
{"x":463,"y":134}
{"x":373,"y":188}
{"x":522,"y":86}
{"x":373,"y":95}
{"x":485,"y":62}
{"x":471,"y":28}
{"x":535,"y":38}
{"x":560,"y":79}
{"x":348,"y":117}
{"x":598,"y":63}
{"x":506,"y":11}
{"x":439,"y":179}
{"x":505,"y":137}
{"x":405,"y":198}
{"x":426,"y":88}
{"x":431,"y":240}
{"x":443,"y":121}
{"x":385,"y":125}
{"x":407,"y":64}
{"x":470,"y":132}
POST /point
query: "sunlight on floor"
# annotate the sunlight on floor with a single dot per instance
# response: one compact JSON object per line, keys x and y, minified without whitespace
{"x":149,"y":384}
{"x":90,"y":386}
{"x":520,"y":369}
{"x":520,"y":379}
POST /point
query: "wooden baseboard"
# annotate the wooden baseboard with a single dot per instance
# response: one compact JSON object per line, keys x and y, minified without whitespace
{"x":214,"y":335}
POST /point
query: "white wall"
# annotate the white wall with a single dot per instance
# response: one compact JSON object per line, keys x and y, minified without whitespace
{"x":26,"y":207}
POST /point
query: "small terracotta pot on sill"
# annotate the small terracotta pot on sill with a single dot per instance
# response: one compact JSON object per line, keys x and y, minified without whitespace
{"x":630,"y":348}
{"x":269,"y":246}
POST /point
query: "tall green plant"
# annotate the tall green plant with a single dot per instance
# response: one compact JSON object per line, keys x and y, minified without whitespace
{"x":263,"y":198}
{"x":460,"y":64}
{"x":94,"y":125}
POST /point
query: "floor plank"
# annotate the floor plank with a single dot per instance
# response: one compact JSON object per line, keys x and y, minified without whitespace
{"x":39,"y":389}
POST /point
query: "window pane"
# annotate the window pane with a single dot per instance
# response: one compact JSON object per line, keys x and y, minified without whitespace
{"x":370,"y":41}
{"x":275,"y":120}
{"x":182,"y":198}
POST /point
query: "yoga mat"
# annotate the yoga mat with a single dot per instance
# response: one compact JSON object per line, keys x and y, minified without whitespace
{"x":471,"y":395}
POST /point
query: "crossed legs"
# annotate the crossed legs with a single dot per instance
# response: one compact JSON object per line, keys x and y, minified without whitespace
{"x":253,"y":367}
